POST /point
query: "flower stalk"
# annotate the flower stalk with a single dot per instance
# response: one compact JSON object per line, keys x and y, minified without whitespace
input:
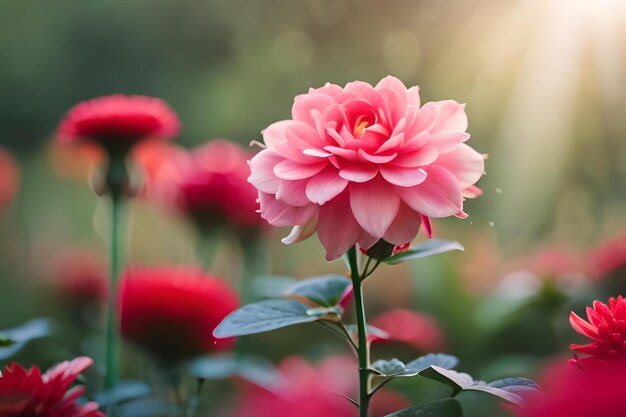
{"x":363,"y":348}
{"x":116,"y":182}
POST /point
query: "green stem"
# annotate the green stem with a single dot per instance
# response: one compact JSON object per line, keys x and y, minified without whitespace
{"x":363,"y":350}
{"x":253,"y":265}
{"x":111,"y":372}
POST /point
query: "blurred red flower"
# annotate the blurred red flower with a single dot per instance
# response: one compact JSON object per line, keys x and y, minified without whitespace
{"x":28,"y":393}
{"x":9,"y":178}
{"x":172,"y":311}
{"x":415,"y":329}
{"x":607,"y":330}
{"x":119,"y":121}
{"x":209,"y":184}
{"x":79,"y":274}
{"x":314,"y":391}
{"x":570,"y":392}
{"x":607,"y":258}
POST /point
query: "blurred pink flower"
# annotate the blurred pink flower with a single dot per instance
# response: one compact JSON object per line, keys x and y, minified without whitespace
{"x":28,"y":393}
{"x":607,"y":330}
{"x":570,"y":392}
{"x":172,"y":311}
{"x":315,"y":391}
{"x":363,"y":163}
{"x":209,"y":184}
{"x":119,"y":121}
{"x":607,"y":258}
{"x":414,"y":329}
{"x":9,"y":178}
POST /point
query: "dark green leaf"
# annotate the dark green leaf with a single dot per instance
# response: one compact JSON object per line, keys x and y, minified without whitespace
{"x":423,"y":250}
{"x":325,"y":290}
{"x":441,"y":360}
{"x":253,"y":369}
{"x":510,"y":389}
{"x":148,"y":407}
{"x":122,"y":392}
{"x":6,"y":341}
{"x":391,"y":367}
{"x":18,"y":337}
{"x":264,"y":316}
{"x":396,"y":368}
{"x":448,"y":407}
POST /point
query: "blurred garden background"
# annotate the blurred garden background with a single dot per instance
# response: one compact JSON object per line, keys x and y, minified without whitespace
{"x":544,"y":82}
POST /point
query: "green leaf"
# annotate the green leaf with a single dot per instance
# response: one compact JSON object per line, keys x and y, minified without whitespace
{"x":272,"y":286}
{"x":510,"y":389}
{"x":251,"y":368}
{"x":148,"y":407}
{"x":16,"y":338}
{"x":391,"y":367}
{"x":122,"y":392}
{"x":423,"y":250}
{"x":396,"y":368}
{"x":6,"y":341}
{"x":265,"y":316}
{"x":448,"y":407}
{"x":325,"y":290}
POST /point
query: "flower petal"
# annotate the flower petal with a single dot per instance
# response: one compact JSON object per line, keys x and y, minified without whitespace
{"x":404,"y":177}
{"x":376,"y":159}
{"x":464,"y":163}
{"x":359,"y":173}
{"x":448,"y":141}
{"x":300,"y":233}
{"x":438,"y":196}
{"x":450,"y":117}
{"x":325,"y":185}
{"x":262,"y":171}
{"x":426,"y":155}
{"x":290,"y":170}
{"x":278,"y":213}
{"x":337,"y":229}
{"x":404,"y":227}
{"x":374,"y":204}
{"x":293,"y":193}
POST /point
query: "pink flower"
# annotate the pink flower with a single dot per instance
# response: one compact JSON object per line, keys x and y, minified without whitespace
{"x":570,"y":392}
{"x":310,"y":391}
{"x":414,"y":329}
{"x":363,"y":163}
{"x":209,"y":184}
{"x":28,"y":393}
{"x":172,"y":311}
{"x":119,"y":121}
{"x":607,"y":330}
{"x":9,"y":178}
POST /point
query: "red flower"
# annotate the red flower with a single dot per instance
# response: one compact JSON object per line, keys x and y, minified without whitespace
{"x":79,"y":275}
{"x":28,"y":393}
{"x":9,"y":178}
{"x":607,"y":330}
{"x":209,"y":184}
{"x":309,"y":391}
{"x":415,"y":329}
{"x":570,"y":392}
{"x":119,"y":121}
{"x":172,"y":311}
{"x":608,"y":258}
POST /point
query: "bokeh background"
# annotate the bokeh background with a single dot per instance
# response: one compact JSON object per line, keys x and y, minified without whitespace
{"x":544,"y":82}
